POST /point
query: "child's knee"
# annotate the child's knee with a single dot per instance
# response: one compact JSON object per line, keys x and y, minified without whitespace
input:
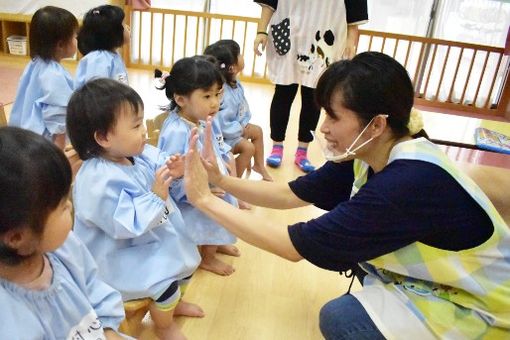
{"x":257,"y":131}
{"x":250,"y":149}
{"x":246,"y":147}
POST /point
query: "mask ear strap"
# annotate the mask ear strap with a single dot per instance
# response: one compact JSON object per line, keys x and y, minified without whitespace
{"x":348,"y":150}
{"x":352,"y":152}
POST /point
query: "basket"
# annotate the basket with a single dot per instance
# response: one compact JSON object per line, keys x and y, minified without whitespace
{"x":17,"y":44}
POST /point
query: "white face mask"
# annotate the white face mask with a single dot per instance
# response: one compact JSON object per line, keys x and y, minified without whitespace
{"x":330,"y":155}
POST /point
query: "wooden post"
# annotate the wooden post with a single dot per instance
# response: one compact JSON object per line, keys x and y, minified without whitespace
{"x":505,"y":94}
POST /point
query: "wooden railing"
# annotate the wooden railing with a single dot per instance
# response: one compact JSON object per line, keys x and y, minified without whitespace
{"x":162,"y":36}
{"x":448,"y":74}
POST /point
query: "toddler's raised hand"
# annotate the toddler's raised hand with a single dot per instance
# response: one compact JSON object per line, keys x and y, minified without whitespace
{"x":175,"y":164}
{"x":218,"y":192}
{"x":162,"y":181}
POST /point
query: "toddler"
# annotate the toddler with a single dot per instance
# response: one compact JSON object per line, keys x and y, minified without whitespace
{"x":123,"y":211}
{"x":45,"y":86}
{"x":101,"y":34}
{"x":194,"y":88}
{"x":245,"y":139}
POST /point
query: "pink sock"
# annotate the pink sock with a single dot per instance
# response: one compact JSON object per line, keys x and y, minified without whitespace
{"x":277,"y":150}
{"x":300,"y":154}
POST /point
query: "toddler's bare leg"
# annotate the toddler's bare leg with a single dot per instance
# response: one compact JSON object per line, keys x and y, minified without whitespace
{"x":255,"y":134}
{"x":229,"y":249}
{"x":189,"y":309}
{"x":211,"y":263}
{"x":164,"y":325}
{"x":245,"y":150}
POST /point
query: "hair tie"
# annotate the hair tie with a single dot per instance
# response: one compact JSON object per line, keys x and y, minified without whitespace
{"x":222,"y":66}
{"x":415,"y":124}
{"x":160,"y":79}
{"x":96,"y":12}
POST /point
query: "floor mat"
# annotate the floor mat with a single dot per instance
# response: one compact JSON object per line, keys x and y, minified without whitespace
{"x":9,"y":79}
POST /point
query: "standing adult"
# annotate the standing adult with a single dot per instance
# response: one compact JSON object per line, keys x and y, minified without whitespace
{"x":304,"y":37}
{"x":435,"y":251}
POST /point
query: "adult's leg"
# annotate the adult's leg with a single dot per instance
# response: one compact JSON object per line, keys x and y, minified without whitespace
{"x":309,"y":115}
{"x":279,"y":119}
{"x":280,"y":110}
{"x":345,"y":318}
{"x":308,"y":119}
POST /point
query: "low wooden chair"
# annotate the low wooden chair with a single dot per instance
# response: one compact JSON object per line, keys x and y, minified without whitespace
{"x":135,"y":312}
{"x":154,"y":127}
{"x":3,"y":117}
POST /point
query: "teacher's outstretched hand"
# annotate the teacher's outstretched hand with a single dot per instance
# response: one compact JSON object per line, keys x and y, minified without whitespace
{"x":195,"y":175}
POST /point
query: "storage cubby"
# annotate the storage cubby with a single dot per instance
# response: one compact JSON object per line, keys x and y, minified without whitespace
{"x":13,"y":24}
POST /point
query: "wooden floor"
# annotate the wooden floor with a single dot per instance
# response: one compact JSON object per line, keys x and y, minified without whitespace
{"x":267,"y":297}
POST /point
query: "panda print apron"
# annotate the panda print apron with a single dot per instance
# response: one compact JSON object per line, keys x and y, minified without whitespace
{"x":305,"y":36}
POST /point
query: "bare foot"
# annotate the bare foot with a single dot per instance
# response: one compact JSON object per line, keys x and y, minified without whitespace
{"x":173,"y":332}
{"x":229,"y":249}
{"x":189,"y":309}
{"x":216,"y":266}
{"x":263,"y":172}
{"x":243,"y":205}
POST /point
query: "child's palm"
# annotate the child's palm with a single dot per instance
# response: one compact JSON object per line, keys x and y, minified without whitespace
{"x":175,"y":165}
{"x":162,"y":182}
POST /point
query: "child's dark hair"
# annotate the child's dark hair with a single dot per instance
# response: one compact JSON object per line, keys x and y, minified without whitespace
{"x":102,"y":29}
{"x":35,"y":177}
{"x":49,"y":26}
{"x":189,"y":74}
{"x":372,"y":83}
{"x":94,"y":108}
{"x":227,"y":52}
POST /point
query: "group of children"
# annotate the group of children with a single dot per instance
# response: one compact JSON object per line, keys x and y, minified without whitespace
{"x":134,"y":231}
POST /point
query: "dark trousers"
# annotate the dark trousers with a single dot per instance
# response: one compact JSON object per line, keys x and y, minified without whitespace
{"x":280,"y":112}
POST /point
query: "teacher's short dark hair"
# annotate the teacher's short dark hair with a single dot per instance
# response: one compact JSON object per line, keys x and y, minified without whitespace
{"x":370,"y":84}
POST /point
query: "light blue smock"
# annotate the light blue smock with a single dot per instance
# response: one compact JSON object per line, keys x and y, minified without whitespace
{"x":132,"y":233}
{"x":174,"y":138}
{"x":100,"y":64}
{"x":41,"y":101}
{"x":77,"y":301}
{"x":223,"y":147}
{"x":234,"y":114}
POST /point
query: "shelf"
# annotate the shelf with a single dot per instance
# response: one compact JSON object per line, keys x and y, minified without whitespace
{"x":13,"y":24}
